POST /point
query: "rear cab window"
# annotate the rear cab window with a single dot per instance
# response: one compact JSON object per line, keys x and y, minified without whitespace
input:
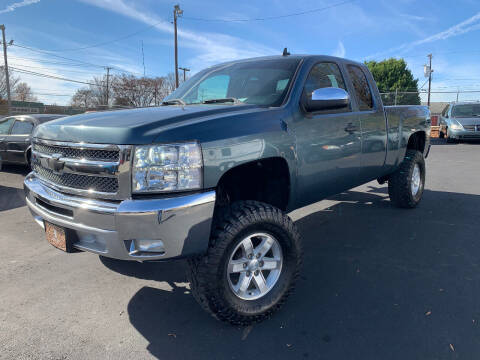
{"x":361,"y":86}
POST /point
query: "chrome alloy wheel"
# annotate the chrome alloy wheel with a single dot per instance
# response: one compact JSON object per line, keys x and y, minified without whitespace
{"x":416,"y":180}
{"x":255,"y":266}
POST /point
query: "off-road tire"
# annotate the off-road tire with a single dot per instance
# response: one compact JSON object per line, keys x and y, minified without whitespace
{"x":208,"y":275}
{"x":400,"y":182}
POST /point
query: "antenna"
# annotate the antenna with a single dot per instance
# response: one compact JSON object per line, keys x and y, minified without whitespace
{"x":285,"y":52}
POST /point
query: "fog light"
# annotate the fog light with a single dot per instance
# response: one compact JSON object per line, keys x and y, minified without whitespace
{"x":146,"y":246}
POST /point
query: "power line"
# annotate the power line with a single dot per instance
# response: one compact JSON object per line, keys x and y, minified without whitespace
{"x":49,"y":76}
{"x":271,"y":17}
{"x":46,"y":68}
{"x":109,"y":41}
{"x":66,"y":58}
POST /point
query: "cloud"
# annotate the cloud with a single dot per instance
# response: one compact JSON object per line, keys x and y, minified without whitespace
{"x":466,"y":26}
{"x":340,"y":50}
{"x":16,"y":5}
{"x":412,"y":17}
{"x":210,"y":47}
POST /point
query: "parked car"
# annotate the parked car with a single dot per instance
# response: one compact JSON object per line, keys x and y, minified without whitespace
{"x":15,"y":137}
{"x":460,"y":121}
{"x":211,"y":175}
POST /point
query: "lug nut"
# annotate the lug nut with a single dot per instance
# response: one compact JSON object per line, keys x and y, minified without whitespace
{"x":258,"y":255}
{"x":261,"y":263}
{"x":249,"y":273}
{"x":250,"y":256}
{"x":245,"y":265}
{"x":256,"y":272}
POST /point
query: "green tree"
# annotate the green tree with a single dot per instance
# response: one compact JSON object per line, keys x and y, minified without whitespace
{"x":393,"y":74}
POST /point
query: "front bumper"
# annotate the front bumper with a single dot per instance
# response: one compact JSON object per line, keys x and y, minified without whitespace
{"x":115,"y":229}
{"x":463,"y":134}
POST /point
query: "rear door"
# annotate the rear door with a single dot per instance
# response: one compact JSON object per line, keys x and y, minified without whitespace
{"x":373,"y":122}
{"x":5,"y":126}
{"x":328,"y":141}
{"x":19,"y":140}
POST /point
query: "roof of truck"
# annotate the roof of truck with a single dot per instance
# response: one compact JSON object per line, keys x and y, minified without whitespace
{"x":294,"y":56}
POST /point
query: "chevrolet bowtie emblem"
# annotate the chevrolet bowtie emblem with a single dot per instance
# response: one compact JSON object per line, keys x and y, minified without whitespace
{"x":55,"y":163}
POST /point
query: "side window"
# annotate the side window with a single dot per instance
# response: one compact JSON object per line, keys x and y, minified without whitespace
{"x":362,"y":88}
{"x":324,"y":75}
{"x":5,"y":125}
{"x":22,"y":128}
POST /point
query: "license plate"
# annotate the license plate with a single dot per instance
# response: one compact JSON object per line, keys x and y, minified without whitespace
{"x":56,"y":236}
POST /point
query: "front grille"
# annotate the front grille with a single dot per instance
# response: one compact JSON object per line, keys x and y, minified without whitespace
{"x":77,"y":181}
{"x":469,"y":127}
{"x":78,"y":153}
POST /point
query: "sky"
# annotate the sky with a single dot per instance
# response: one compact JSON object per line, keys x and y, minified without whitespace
{"x":77,"y":39}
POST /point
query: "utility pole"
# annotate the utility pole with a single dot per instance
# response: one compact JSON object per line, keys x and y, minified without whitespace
{"x":429,"y":78}
{"x":176,"y":13}
{"x":184,"y":70}
{"x":108,"y":81}
{"x":143,"y":60}
{"x":7,"y":78}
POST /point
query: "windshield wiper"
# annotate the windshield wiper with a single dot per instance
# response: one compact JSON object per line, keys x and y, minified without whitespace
{"x":235,"y":101}
{"x":174,"y":102}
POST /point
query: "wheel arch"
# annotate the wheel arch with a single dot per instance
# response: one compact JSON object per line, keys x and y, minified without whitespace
{"x":267,"y":180}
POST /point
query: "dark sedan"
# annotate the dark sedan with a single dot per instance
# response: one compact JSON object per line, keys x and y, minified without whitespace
{"x":15,"y":132}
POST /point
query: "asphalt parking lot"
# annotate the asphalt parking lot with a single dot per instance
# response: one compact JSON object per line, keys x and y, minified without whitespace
{"x":377,"y":283}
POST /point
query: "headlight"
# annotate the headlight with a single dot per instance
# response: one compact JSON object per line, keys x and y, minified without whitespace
{"x":457,"y":126}
{"x":173,"y":167}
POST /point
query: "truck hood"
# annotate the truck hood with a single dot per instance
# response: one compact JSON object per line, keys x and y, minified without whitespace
{"x":468,"y":121}
{"x":134,"y":126}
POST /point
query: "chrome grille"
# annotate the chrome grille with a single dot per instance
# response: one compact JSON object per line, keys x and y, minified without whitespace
{"x":77,"y":153}
{"x":469,"y":127}
{"x":82,"y":182}
{"x":92,"y":170}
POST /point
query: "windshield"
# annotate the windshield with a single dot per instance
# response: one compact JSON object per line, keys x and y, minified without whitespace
{"x":466,"y":111}
{"x":260,"y":82}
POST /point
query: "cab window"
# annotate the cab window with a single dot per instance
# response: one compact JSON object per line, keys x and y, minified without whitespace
{"x":5,"y":125}
{"x":324,"y":75}
{"x":22,"y":128}
{"x":362,"y":88}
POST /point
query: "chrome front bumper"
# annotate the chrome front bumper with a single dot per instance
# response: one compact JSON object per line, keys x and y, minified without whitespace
{"x":117,"y":229}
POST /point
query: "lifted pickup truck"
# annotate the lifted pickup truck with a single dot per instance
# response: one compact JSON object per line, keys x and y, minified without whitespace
{"x":212,"y":174}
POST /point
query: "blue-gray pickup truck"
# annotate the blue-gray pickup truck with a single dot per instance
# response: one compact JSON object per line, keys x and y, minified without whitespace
{"x":211,"y":175}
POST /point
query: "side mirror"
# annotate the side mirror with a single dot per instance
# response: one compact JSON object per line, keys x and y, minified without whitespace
{"x":327,"y":98}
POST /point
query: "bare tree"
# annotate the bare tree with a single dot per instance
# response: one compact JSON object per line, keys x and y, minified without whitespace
{"x":138,"y":92}
{"x":83,"y":98}
{"x":3,"y":84}
{"x":23,"y":92}
{"x":99,"y":90}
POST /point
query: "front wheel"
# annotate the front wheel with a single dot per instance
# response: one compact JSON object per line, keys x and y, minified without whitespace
{"x":251,"y":265}
{"x":405,"y":186}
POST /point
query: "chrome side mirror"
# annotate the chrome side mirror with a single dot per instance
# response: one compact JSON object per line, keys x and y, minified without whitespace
{"x":327,"y":99}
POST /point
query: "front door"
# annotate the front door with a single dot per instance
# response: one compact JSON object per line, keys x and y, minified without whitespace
{"x":328,"y":141}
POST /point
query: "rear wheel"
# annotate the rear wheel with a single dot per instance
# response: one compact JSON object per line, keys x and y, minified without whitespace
{"x":406,"y":185}
{"x":251,"y":264}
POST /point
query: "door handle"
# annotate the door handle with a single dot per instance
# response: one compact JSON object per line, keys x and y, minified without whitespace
{"x":350,"y":128}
